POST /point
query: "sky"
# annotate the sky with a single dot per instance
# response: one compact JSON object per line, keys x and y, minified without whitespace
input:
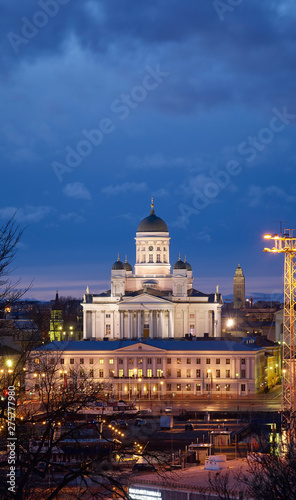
{"x":105,"y":103}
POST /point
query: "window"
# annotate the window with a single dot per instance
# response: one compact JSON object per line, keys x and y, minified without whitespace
{"x":243,"y":361}
{"x":159,"y":373}
{"x":217,"y":361}
{"x":140,"y":372}
{"x":198,"y":373}
{"x":227,"y":387}
{"x":81,"y":361}
{"x":158,"y":257}
{"x":169,"y":372}
{"x":208,"y":387}
{"x":218,"y":387}
{"x":143,"y":249}
{"x":188,"y":387}
{"x":51,"y":361}
{"x":149,"y":361}
{"x":140,"y":361}
{"x":108,"y":315}
{"x":71,"y":361}
{"x":227,"y":373}
{"x":149,"y":372}
{"x":198,"y":361}
{"x":101,"y":373}
{"x":131,"y":372}
{"x":192,"y":329}
{"x":91,"y":373}
{"x":108,"y":329}
{"x":243,"y":374}
{"x":111,"y":373}
{"x":191,"y":316}
{"x":179,"y":373}
{"x":198,"y":387}
{"x":188,"y":361}
{"x":158,"y":249}
{"x":101,"y":361}
{"x":120,"y":361}
{"x":178,"y":361}
{"x":164,"y":259}
{"x":91,"y":361}
{"x":130,"y":361}
{"x":164,"y":249}
{"x":188,"y":373}
{"x":243,"y":387}
{"x":208,"y":361}
{"x":178,"y":387}
{"x":120,"y":373}
{"x":37,"y":361}
{"x":169,"y":387}
{"x":169,"y":361}
{"x":228,"y":361}
{"x":62,"y":361}
{"x":217,"y":373}
{"x":143,"y":259}
{"x":158,"y":361}
{"x":150,"y":257}
{"x":111,"y":361}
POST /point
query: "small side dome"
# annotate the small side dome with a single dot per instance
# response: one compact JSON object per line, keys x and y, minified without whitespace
{"x":127,"y":266}
{"x":118,"y":265}
{"x":179,"y":264}
{"x":188,"y":266}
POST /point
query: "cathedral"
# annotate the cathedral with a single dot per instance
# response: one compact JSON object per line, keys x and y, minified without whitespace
{"x":151,"y":301}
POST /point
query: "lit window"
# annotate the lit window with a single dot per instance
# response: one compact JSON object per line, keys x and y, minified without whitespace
{"x":120,"y":373}
{"x":178,"y":387}
{"x":101,"y":373}
{"x":101,"y":361}
{"x":37,"y":361}
{"x":178,"y":361}
{"x":149,"y":373}
{"x":179,"y":373}
{"x":198,"y":387}
{"x":169,"y":372}
{"x":111,"y":361}
{"x":188,"y":387}
{"x":227,"y":387}
{"x":130,"y":361}
{"x":188,"y":361}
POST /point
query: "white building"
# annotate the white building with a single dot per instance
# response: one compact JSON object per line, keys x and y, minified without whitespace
{"x":151,"y":302}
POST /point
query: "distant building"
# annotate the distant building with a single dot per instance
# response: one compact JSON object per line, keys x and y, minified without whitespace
{"x":56,"y":321}
{"x":153,"y":301}
{"x":239,"y":289}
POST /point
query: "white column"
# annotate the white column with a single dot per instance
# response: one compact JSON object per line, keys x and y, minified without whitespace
{"x":160,"y":325}
{"x":121,"y":329}
{"x":218,"y":319}
{"x":129,"y":325}
{"x":140,"y":332}
{"x":171,"y":324}
{"x":151,"y":324}
{"x":102,"y":324}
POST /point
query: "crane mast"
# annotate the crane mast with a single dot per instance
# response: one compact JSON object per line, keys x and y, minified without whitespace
{"x":286,"y":244}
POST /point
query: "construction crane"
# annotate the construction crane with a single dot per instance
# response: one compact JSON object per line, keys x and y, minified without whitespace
{"x":286,"y":243}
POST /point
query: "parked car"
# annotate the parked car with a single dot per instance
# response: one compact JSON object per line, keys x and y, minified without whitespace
{"x":143,"y":468}
{"x":140,"y":421}
{"x":168,"y":409}
{"x":189,"y":427}
{"x":113,"y":423}
{"x":122,"y":424}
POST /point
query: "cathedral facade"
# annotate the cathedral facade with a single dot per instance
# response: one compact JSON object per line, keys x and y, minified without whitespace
{"x":152,"y":301}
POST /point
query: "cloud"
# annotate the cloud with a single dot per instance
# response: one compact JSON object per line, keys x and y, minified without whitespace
{"x":135,"y":187}
{"x":71,"y":217}
{"x":257,"y":195}
{"x":77,"y":190}
{"x":28,"y":213}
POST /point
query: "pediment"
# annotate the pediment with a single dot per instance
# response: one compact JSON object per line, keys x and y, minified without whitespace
{"x":140,"y":348}
{"x":143,"y":298}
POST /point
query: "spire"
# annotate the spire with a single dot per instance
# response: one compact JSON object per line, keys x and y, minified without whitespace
{"x":152,"y":207}
{"x":125,"y":259}
{"x":118,"y":259}
{"x":185,"y":259}
{"x":179,"y":256}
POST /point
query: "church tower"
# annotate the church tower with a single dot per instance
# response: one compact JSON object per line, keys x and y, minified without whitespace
{"x":239,"y":289}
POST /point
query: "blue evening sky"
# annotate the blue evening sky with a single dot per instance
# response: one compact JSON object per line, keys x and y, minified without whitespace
{"x":105,"y":103}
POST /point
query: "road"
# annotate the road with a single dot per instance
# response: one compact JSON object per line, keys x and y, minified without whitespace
{"x":261,"y":402}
